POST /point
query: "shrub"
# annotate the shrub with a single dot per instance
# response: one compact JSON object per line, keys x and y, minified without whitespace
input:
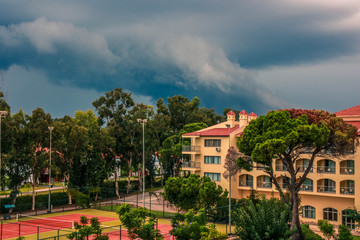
{"x":326,"y":228}
{"x":140,"y":223}
{"x":192,"y":226}
{"x":308,"y":234}
{"x":344,"y":233}
{"x":268,"y":219}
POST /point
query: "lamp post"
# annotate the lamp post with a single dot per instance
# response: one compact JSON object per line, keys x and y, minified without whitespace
{"x":49,"y":203}
{"x":143,"y":121}
{"x":228,"y":127}
{"x":2,"y":115}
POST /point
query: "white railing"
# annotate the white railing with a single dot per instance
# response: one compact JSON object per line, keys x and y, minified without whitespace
{"x":347,"y":170}
{"x":322,"y":169}
{"x":326,"y":189}
{"x":261,"y":184}
{"x":191,"y":164}
{"x":280,"y":167}
{"x":347,"y":190}
{"x":188,"y":148}
{"x":246,"y":184}
{"x":307,"y":188}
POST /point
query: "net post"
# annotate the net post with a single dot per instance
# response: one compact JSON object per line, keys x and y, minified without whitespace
{"x":120,"y":232}
{"x":38,"y":232}
{"x":19,"y":230}
{"x":58,"y":234}
{"x":35,"y":203}
{"x":1,"y":229}
{"x":163,"y":208}
{"x":150,"y":200}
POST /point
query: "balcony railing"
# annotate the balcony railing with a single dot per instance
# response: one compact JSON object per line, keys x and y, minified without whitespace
{"x":347,"y":170}
{"x":246,"y":184}
{"x":307,"y":188}
{"x":283,"y":186}
{"x":347,"y":190}
{"x":261,"y":184}
{"x":280,"y":167}
{"x":322,"y":169}
{"x":191,"y":164}
{"x":188,"y":148}
{"x":326,"y":189}
{"x":303,"y":168}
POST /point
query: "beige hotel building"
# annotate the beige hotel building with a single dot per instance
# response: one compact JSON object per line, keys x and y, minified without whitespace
{"x":332,"y":186}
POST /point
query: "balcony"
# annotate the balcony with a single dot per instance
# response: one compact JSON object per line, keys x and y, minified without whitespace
{"x":347,"y":190}
{"x":326,"y":189}
{"x":307,"y":188}
{"x":280,"y":167}
{"x":321,"y":169}
{"x":347,"y":170}
{"x":192,"y":148}
{"x":261,"y":184}
{"x":191,"y":164}
{"x":302,"y":168}
{"x":246,"y":184}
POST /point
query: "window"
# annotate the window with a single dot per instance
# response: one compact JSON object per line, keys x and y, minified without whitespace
{"x":330,"y":214}
{"x":213,"y":176}
{"x":212,"y":159}
{"x":347,"y":221}
{"x":212,"y":142}
{"x":308,"y":212}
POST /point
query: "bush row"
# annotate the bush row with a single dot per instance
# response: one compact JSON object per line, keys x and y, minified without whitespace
{"x":106,"y":191}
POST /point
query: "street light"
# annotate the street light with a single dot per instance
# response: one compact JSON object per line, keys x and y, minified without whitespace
{"x":228,"y":126}
{"x":2,"y":115}
{"x":143,"y":121}
{"x":49,"y":204}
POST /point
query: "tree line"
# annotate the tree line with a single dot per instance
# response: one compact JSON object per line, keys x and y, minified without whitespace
{"x":88,"y":147}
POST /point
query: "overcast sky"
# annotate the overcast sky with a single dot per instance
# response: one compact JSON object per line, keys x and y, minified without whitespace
{"x":254,"y":55}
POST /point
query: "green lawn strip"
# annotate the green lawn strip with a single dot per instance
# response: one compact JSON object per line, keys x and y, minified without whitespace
{"x":156,"y":213}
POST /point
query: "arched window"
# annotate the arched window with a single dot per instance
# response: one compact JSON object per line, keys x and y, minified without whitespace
{"x":246,"y":180}
{"x":330,"y":214}
{"x":308,"y":212}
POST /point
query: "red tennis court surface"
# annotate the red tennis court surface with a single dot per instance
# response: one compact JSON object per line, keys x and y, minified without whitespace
{"x":37,"y":226}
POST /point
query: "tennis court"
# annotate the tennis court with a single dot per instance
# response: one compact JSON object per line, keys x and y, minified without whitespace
{"x":58,"y":226}
{"x":29,"y":225}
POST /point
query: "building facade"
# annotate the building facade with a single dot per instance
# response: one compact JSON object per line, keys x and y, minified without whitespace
{"x":332,"y":186}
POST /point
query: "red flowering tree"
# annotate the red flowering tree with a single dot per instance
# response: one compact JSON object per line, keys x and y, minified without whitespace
{"x":284,"y":135}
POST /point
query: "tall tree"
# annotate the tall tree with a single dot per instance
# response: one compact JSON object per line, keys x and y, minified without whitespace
{"x":112,"y":109}
{"x":284,"y":135}
{"x":38,"y":130}
{"x":71,"y":143}
{"x":17,"y":153}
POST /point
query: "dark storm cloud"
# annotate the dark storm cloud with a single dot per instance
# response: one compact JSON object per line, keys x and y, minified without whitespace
{"x":207,"y":49}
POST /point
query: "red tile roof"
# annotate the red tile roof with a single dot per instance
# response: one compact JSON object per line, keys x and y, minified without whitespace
{"x":356,"y":124}
{"x":243,"y":112}
{"x":353,"y":111}
{"x":253,"y":114}
{"x":231,"y":113}
{"x":215,"y":132}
